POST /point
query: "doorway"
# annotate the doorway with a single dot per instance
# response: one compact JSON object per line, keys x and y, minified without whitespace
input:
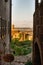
{"x":37,"y":55}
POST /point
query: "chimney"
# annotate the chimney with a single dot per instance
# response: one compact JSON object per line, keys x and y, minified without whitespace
{"x":36,"y":4}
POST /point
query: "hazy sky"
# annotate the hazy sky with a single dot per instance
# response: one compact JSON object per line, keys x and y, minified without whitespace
{"x":22,"y":13}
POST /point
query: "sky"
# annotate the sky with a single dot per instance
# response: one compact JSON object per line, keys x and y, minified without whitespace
{"x":22,"y":13}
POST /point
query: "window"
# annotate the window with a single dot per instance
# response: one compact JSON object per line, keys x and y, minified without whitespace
{"x":3,"y":28}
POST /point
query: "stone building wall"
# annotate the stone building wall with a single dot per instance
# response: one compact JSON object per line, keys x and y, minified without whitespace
{"x":38,"y":34}
{"x":5,"y":21}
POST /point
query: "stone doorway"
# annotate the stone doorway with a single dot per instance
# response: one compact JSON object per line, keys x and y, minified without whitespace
{"x":37,"y":55}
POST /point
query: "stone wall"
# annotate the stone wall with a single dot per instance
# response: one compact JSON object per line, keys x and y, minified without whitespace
{"x":38,"y":34}
{"x":4,"y":25}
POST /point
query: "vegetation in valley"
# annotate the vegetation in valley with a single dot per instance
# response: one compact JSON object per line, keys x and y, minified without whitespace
{"x":21,"y":47}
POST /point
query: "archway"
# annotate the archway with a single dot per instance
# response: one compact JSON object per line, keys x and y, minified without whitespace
{"x":37,"y":55}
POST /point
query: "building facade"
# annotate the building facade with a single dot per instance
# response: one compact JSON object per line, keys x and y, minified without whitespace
{"x":5,"y":25}
{"x":38,"y":33}
{"x":21,"y":34}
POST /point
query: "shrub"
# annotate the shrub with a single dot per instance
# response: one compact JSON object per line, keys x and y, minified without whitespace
{"x":28,"y":63}
{"x":21,"y":47}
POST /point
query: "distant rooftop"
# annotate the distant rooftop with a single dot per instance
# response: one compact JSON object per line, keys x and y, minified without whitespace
{"x":22,"y":28}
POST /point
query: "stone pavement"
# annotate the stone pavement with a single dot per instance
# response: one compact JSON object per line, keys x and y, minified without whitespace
{"x":20,"y":60}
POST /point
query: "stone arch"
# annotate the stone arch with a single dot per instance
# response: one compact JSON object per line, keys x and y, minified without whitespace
{"x":37,"y":52}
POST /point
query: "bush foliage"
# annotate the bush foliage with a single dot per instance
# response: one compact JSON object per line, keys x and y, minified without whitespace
{"x":28,"y":63}
{"x":21,"y":47}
